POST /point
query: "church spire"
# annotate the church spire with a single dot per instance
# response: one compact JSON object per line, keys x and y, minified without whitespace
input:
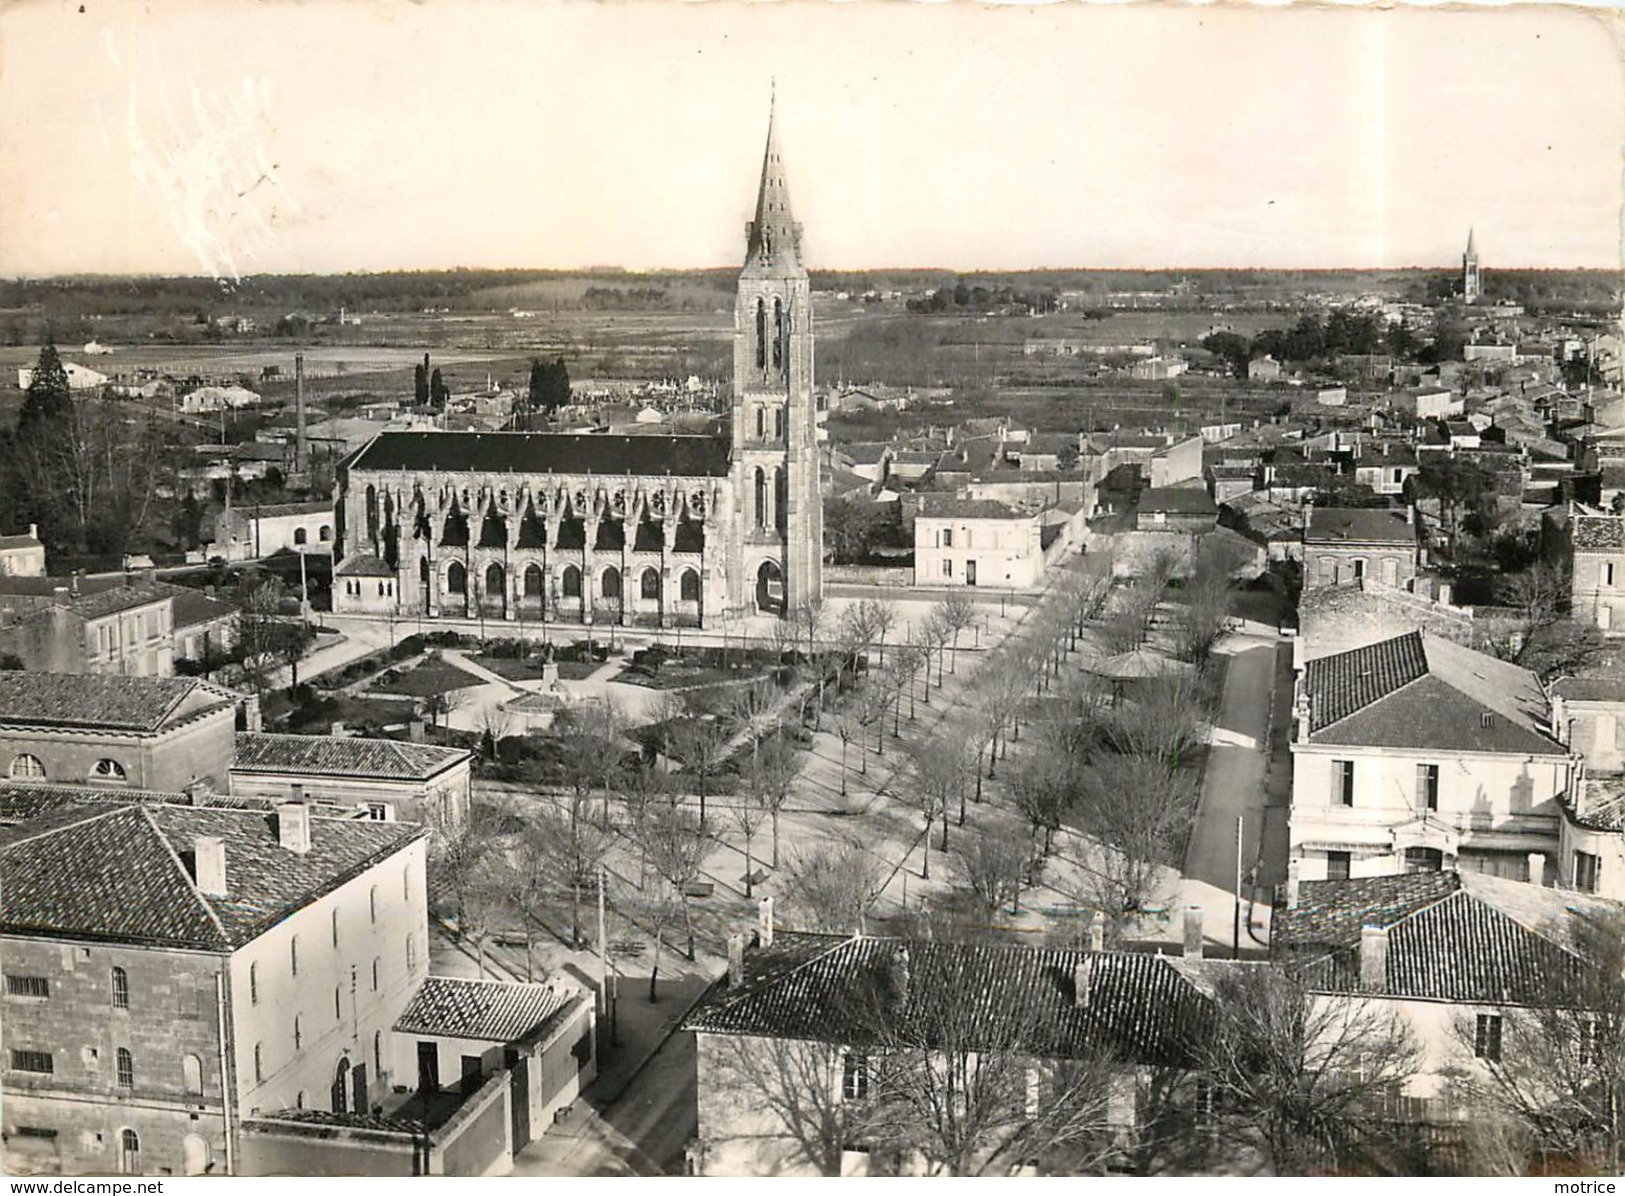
{"x":773,"y":239}
{"x":1472,"y":250}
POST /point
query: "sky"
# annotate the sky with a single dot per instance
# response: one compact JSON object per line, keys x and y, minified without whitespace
{"x":227,"y":138}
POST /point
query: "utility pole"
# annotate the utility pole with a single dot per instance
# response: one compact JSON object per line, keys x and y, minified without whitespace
{"x":603,"y":944}
{"x":1235,"y":950}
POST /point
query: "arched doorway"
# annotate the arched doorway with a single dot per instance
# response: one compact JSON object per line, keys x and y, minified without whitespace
{"x":770,"y":588}
{"x":341,"y":1087}
{"x":495,"y":598}
{"x":129,"y":1152}
{"x":194,"y":1155}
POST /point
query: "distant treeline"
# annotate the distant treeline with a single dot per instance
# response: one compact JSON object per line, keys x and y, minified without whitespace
{"x":279,"y":294}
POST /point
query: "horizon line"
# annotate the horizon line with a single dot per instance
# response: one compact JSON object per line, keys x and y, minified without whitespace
{"x":603,"y":268}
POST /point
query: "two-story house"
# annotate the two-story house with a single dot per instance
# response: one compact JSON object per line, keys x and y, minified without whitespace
{"x":976,"y":542}
{"x":1476,"y":966}
{"x":1416,"y":753}
{"x":163,"y":733}
{"x":1588,"y":715}
{"x":207,"y":985}
{"x":1597,"y":547}
{"x":170,"y":970}
{"x":795,"y":1042}
{"x":121,"y":631}
{"x":1348,"y":544}
{"x":22,"y":555}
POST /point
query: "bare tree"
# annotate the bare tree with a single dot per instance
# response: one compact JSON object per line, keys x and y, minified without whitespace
{"x":955,"y":614}
{"x":697,"y":738}
{"x":676,"y":847}
{"x":907,"y":661}
{"x":995,"y":867}
{"x":935,"y":778}
{"x":772,"y":776}
{"x":882,"y":617}
{"x":748,"y":813}
{"x":1304,"y":1078}
{"x":831,"y":887}
{"x":965,"y":1077}
{"x":1554,"y":1074}
{"x":810,"y":618}
{"x":1139,"y":813}
{"x":464,"y":862}
{"x":578,"y":845}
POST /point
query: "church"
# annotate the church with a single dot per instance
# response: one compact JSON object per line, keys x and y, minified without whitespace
{"x":658,"y":531}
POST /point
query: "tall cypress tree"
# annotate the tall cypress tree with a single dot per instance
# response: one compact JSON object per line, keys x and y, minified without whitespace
{"x":48,"y":397}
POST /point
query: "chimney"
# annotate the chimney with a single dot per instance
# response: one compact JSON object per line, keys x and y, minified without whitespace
{"x":1193,"y":932}
{"x":1373,"y":958}
{"x":293,"y":826}
{"x":1097,"y":932}
{"x":1082,"y":973}
{"x":198,"y":790}
{"x":900,"y":972}
{"x":1292,"y":882}
{"x":414,"y":730}
{"x":61,"y":595}
{"x":337,"y":729}
{"x":736,"y":960}
{"x":73,"y":583}
{"x":1537,"y":868}
{"x":209,"y":865}
{"x":211,"y":591}
{"x":764,"y":921}
{"x":301,"y":448}
{"x":33,"y":531}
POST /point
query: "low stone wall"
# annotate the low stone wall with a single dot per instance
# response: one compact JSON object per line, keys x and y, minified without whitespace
{"x":869,"y":575}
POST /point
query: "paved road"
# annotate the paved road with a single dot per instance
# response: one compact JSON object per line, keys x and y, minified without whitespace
{"x":1234,"y":783}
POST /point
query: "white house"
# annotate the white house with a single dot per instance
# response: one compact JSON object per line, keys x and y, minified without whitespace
{"x":249,"y":533}
{"x":1416,"y":753}
{"x":1457,"y":956}
{"x":976,"y":542}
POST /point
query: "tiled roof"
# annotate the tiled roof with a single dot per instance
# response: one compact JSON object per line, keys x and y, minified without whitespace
{"x":1178,"y":500}
{"x":1349,"y":681}
{"x":946,"y":506}
{"x":836,"y":989}
{"x":364,"y":565}
{"x":343,"y":756}
{"x":1599,"y":532}
{"x":143,"y":704}
{"x":10,"y":543}
{"x":1590,"y":689}
{"x":1360,"y":525}
{"x":122,"y":873}
{"x":277,"y":509}
{"x":1426,"y":692}
{"x":110,"y":601}
{"x":1458,"y":937}
{"x":544,"y":452}
{"x":194,"y":608}
{"x":486,"y":1010}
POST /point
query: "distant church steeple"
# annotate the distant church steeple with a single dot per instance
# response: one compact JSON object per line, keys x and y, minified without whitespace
{"x":773,"y":239}
{"x":1471,"y":288}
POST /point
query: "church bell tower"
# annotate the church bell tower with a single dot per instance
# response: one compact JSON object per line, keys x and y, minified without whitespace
{"x":1471,"y":287}
{"x":778,"y":554}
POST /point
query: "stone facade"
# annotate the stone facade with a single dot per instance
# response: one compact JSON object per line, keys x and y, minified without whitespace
{"x":650,"y":530}
{"x":170,"y":1025}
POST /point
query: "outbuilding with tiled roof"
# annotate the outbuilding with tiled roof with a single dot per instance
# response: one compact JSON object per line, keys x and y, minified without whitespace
{"x":418,"y":782}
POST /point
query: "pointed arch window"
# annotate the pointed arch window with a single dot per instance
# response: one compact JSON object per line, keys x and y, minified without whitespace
{"x":761,"y":334}
{"x":761,"y":498}
{"x":778,"y":335}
